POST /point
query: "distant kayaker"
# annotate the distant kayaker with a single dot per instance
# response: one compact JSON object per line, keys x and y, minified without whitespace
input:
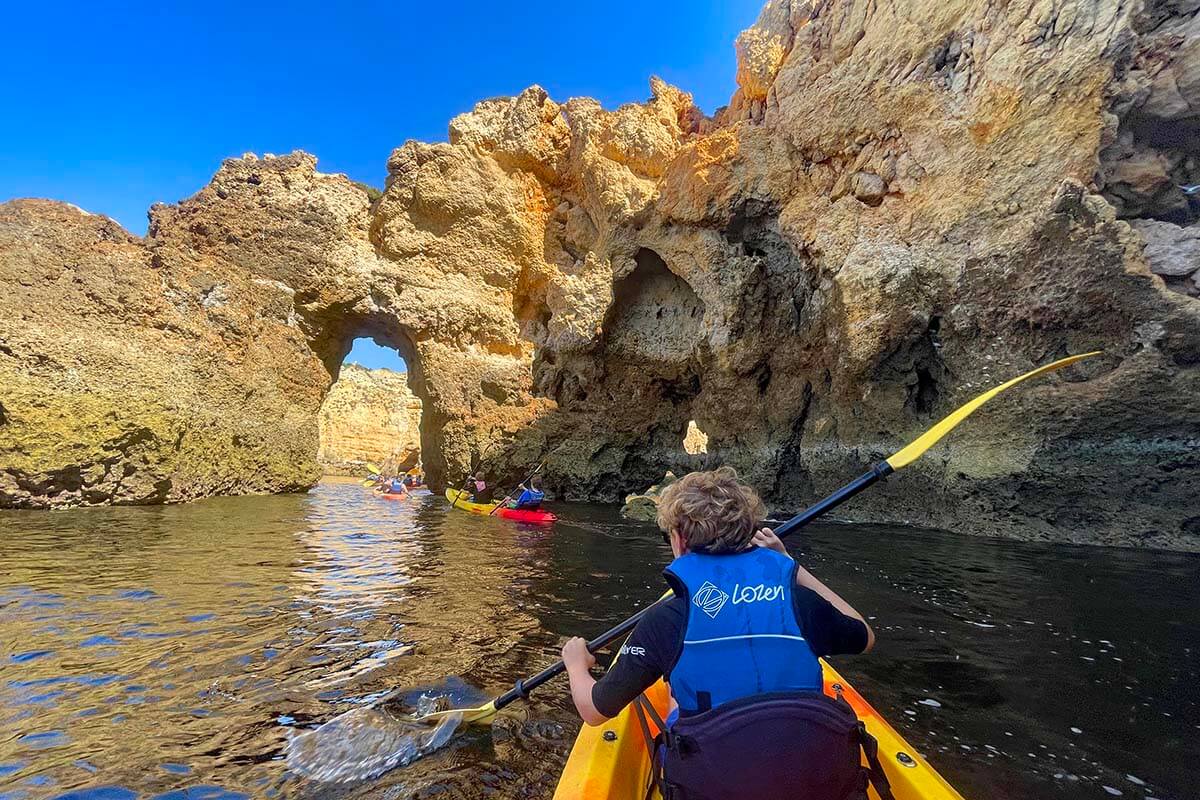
{"x":739,"y":645}
{"x":391,"y":486}
{"x":480,"y":491}
{"x":531,"y":496}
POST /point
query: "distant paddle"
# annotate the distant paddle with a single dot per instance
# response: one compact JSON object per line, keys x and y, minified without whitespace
{"x":902,"y":458}
{"x":371,"y":469}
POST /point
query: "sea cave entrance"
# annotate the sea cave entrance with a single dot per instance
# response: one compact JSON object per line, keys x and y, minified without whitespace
{"x":371,"y":414}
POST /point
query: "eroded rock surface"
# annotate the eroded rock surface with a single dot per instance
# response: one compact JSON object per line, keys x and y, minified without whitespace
{"x":369,"y":416}
{"x":901,"y":206}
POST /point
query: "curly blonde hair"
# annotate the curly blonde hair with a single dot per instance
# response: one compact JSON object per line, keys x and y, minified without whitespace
{"x":712,"y":511}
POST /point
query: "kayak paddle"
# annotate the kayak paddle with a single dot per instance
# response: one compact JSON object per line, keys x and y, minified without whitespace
{"x":371,"y":469}
{"x":522,"y":483}
{"x":900,"y":459}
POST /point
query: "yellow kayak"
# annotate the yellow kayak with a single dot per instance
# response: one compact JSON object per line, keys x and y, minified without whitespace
{"x":612,"y":761}
{"x":531,"y":516}
{"x":453,"y":496}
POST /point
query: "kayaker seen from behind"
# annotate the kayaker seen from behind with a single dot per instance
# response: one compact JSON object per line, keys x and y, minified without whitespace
{"x":480,"y":491}
{"x":739,"y":645}
{"x":531,"y":496}
{"x":392,"y":485}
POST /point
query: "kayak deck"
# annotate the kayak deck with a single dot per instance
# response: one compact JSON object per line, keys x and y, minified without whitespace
{"x":613,"y":761}
{"x":516,"y":514}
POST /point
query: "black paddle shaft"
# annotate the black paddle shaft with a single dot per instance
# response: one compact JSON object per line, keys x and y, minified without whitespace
{"x":868,"y":478}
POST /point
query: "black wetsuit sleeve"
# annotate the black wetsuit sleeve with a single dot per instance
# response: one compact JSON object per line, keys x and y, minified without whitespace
{"x":650,"y":653}
{"x":828,"y":631}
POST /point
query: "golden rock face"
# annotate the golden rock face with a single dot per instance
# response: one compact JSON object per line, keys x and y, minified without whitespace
{"x":369,"y":416}
{"x":894,"y":211}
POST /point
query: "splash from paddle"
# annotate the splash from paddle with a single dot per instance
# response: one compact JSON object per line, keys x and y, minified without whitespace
{"x":366,"y":742}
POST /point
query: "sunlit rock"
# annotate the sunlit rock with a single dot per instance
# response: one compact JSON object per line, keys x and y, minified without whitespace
{"x":369,"y":417}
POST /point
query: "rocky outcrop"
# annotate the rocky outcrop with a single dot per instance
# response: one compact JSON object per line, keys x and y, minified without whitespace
{"x":900,"y":206}
{"x":644,"y":505}
{"x":369,"y":416}
{"x":1173,"y":253}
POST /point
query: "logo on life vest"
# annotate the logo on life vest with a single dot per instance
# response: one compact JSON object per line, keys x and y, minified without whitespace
{"x":754,"y":594}
{"x":626,"y":650}
{"x":709,"y":599}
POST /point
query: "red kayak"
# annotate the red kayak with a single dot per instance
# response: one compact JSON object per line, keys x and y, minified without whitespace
{"x":393,"y":495}
{"x":520,"y":515}
{"x":489,"y":509}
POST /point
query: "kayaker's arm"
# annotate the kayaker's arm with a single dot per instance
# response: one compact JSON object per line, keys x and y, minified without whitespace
{"x":578,"y":661}
{"x":809,"y":581}
{"x":767,"y":538}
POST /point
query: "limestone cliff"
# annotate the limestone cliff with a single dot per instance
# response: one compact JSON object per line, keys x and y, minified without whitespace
{"x":369,"y":416}
{"x":901,"y":205}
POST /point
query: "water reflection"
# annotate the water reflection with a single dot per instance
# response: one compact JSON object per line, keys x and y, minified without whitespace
{"x":170,"y":651}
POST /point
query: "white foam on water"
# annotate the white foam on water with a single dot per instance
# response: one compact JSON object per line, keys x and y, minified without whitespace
{"x":366,"y":742}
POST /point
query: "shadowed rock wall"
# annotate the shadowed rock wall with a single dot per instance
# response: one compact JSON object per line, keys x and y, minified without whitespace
{"x":901,"y":206}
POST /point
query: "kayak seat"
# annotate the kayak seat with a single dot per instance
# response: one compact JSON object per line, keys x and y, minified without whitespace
{"x":784,"y":744}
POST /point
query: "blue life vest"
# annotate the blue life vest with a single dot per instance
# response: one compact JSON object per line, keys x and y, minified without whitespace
{"x":395,"y":486}
{"x":742,"y":637}
{"x":531,"y":497}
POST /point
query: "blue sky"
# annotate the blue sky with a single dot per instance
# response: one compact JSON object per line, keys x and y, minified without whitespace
{"x":369,"y":354}
{"x":113,"y":106}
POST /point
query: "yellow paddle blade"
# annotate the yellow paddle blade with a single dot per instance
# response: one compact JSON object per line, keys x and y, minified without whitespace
{"x":931,"y":437}
{"x":372,"y":468}
{"x":469,"y":715}
{"x":368,"y":482}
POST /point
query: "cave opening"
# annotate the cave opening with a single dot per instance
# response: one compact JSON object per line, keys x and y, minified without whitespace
{"x":372,"y":414}
{"x":655,"y":314}
{"x":695,"y":440}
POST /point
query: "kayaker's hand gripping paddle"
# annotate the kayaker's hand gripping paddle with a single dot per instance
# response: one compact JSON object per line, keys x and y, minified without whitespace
{"x":903,"y":458}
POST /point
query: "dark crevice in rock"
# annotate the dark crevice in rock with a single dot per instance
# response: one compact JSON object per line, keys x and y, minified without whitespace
{"x":762,"y":377}
{"x":791,"y":472}
{"x":922,"y":395}
{"x":3,"y":415}
{"x":678,"y":392}
{"x":1153,"y":150}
